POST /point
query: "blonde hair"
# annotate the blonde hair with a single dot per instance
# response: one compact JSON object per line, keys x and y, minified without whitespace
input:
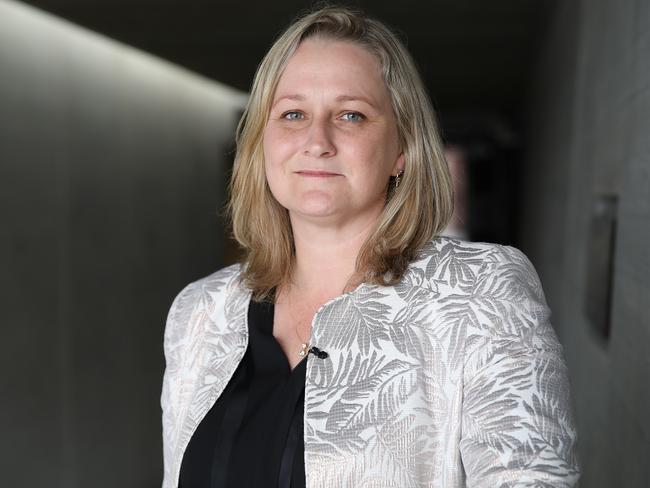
{"x":414,"y":213}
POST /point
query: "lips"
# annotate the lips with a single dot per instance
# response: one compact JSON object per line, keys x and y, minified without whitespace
{"x":316,"y":173}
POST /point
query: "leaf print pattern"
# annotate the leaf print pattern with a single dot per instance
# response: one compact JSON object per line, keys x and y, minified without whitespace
{"x":198,"y":352}
{"x":364,"y":318}
{"x":452,"y":378}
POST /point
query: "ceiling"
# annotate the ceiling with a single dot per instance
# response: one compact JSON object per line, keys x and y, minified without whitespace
{"x":475,"y":55}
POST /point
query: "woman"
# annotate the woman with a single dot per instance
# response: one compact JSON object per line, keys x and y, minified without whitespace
{"x":355,"y":346}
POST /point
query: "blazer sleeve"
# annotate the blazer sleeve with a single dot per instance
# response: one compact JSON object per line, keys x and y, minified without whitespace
{"x":173,"y":345}
{"x":517,"y":422}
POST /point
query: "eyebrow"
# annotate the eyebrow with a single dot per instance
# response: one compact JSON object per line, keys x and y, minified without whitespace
{"x":340,"y":98}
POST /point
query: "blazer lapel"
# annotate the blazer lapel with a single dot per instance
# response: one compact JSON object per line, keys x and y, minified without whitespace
{"x":349,"y":394}
{"x":218,"y":340}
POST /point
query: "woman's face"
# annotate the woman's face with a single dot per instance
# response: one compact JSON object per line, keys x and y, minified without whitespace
{"x":330,"y":143}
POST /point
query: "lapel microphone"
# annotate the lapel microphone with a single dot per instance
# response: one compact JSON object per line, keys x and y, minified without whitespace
{"x":318,"y":353}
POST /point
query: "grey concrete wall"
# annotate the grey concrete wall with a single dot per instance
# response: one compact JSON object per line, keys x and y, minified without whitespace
{"x":111,"y":171}
{"x":590,"y":133}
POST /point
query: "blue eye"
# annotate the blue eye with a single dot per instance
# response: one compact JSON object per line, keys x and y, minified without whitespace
{"x":354,"y":117}
{"x":292,"y":115}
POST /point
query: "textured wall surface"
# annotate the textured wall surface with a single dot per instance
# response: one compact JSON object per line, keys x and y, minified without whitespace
{"x":590,"y":133}
{"x":111,"y":172}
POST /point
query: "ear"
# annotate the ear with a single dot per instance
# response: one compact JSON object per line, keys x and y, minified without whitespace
{"x":399,"y":164}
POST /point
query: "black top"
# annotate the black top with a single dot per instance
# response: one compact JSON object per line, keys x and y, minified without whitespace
{"x":253,"y":434}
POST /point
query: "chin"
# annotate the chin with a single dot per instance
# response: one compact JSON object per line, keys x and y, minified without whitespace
{"x":315,"y":204}
{"x":314,"y":211}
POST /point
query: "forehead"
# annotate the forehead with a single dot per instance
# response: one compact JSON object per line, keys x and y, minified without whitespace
{"x":332,"y":65}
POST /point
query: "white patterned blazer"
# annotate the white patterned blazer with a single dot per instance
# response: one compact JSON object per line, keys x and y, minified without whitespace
{"x":453,"y":378}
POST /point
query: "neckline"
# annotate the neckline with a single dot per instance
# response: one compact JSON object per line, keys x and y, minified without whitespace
{"x":266,"y":310}
{"x":268,"y":305}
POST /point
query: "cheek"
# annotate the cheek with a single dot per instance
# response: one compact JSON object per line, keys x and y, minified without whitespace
{"x":267,"y":146}
{"x":275,"y":184}
{"x":374,"y":156}
{"x":277,"y":146}
{"x":273,"y":168}
{"x":273,"y":175}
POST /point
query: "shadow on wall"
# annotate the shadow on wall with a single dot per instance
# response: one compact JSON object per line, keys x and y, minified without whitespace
{"x":111,"y":173}
{"x":586,"y":222}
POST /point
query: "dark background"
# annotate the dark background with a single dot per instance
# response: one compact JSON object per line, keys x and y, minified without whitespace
{"x":116,"y":130}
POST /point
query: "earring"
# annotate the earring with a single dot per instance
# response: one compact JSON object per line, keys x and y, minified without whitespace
{"x":397,"y":177}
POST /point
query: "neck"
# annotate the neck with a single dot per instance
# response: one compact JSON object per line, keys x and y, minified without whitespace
{"x":326,"y":256}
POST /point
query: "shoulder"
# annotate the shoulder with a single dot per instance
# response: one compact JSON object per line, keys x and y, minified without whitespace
{"x":463,"y":265}
{"x":468,"y":252}
{"x":198,"y":293}
{"x":215,"y":283}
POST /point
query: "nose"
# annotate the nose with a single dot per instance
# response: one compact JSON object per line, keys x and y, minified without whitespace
{"x":319,"y":142}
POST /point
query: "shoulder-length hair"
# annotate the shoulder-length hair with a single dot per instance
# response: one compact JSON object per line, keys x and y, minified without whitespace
{"x":415,"y":212}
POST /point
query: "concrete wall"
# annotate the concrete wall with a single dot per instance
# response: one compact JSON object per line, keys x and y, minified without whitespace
{"x":590,"y":136}
{"x":111,"y":171}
